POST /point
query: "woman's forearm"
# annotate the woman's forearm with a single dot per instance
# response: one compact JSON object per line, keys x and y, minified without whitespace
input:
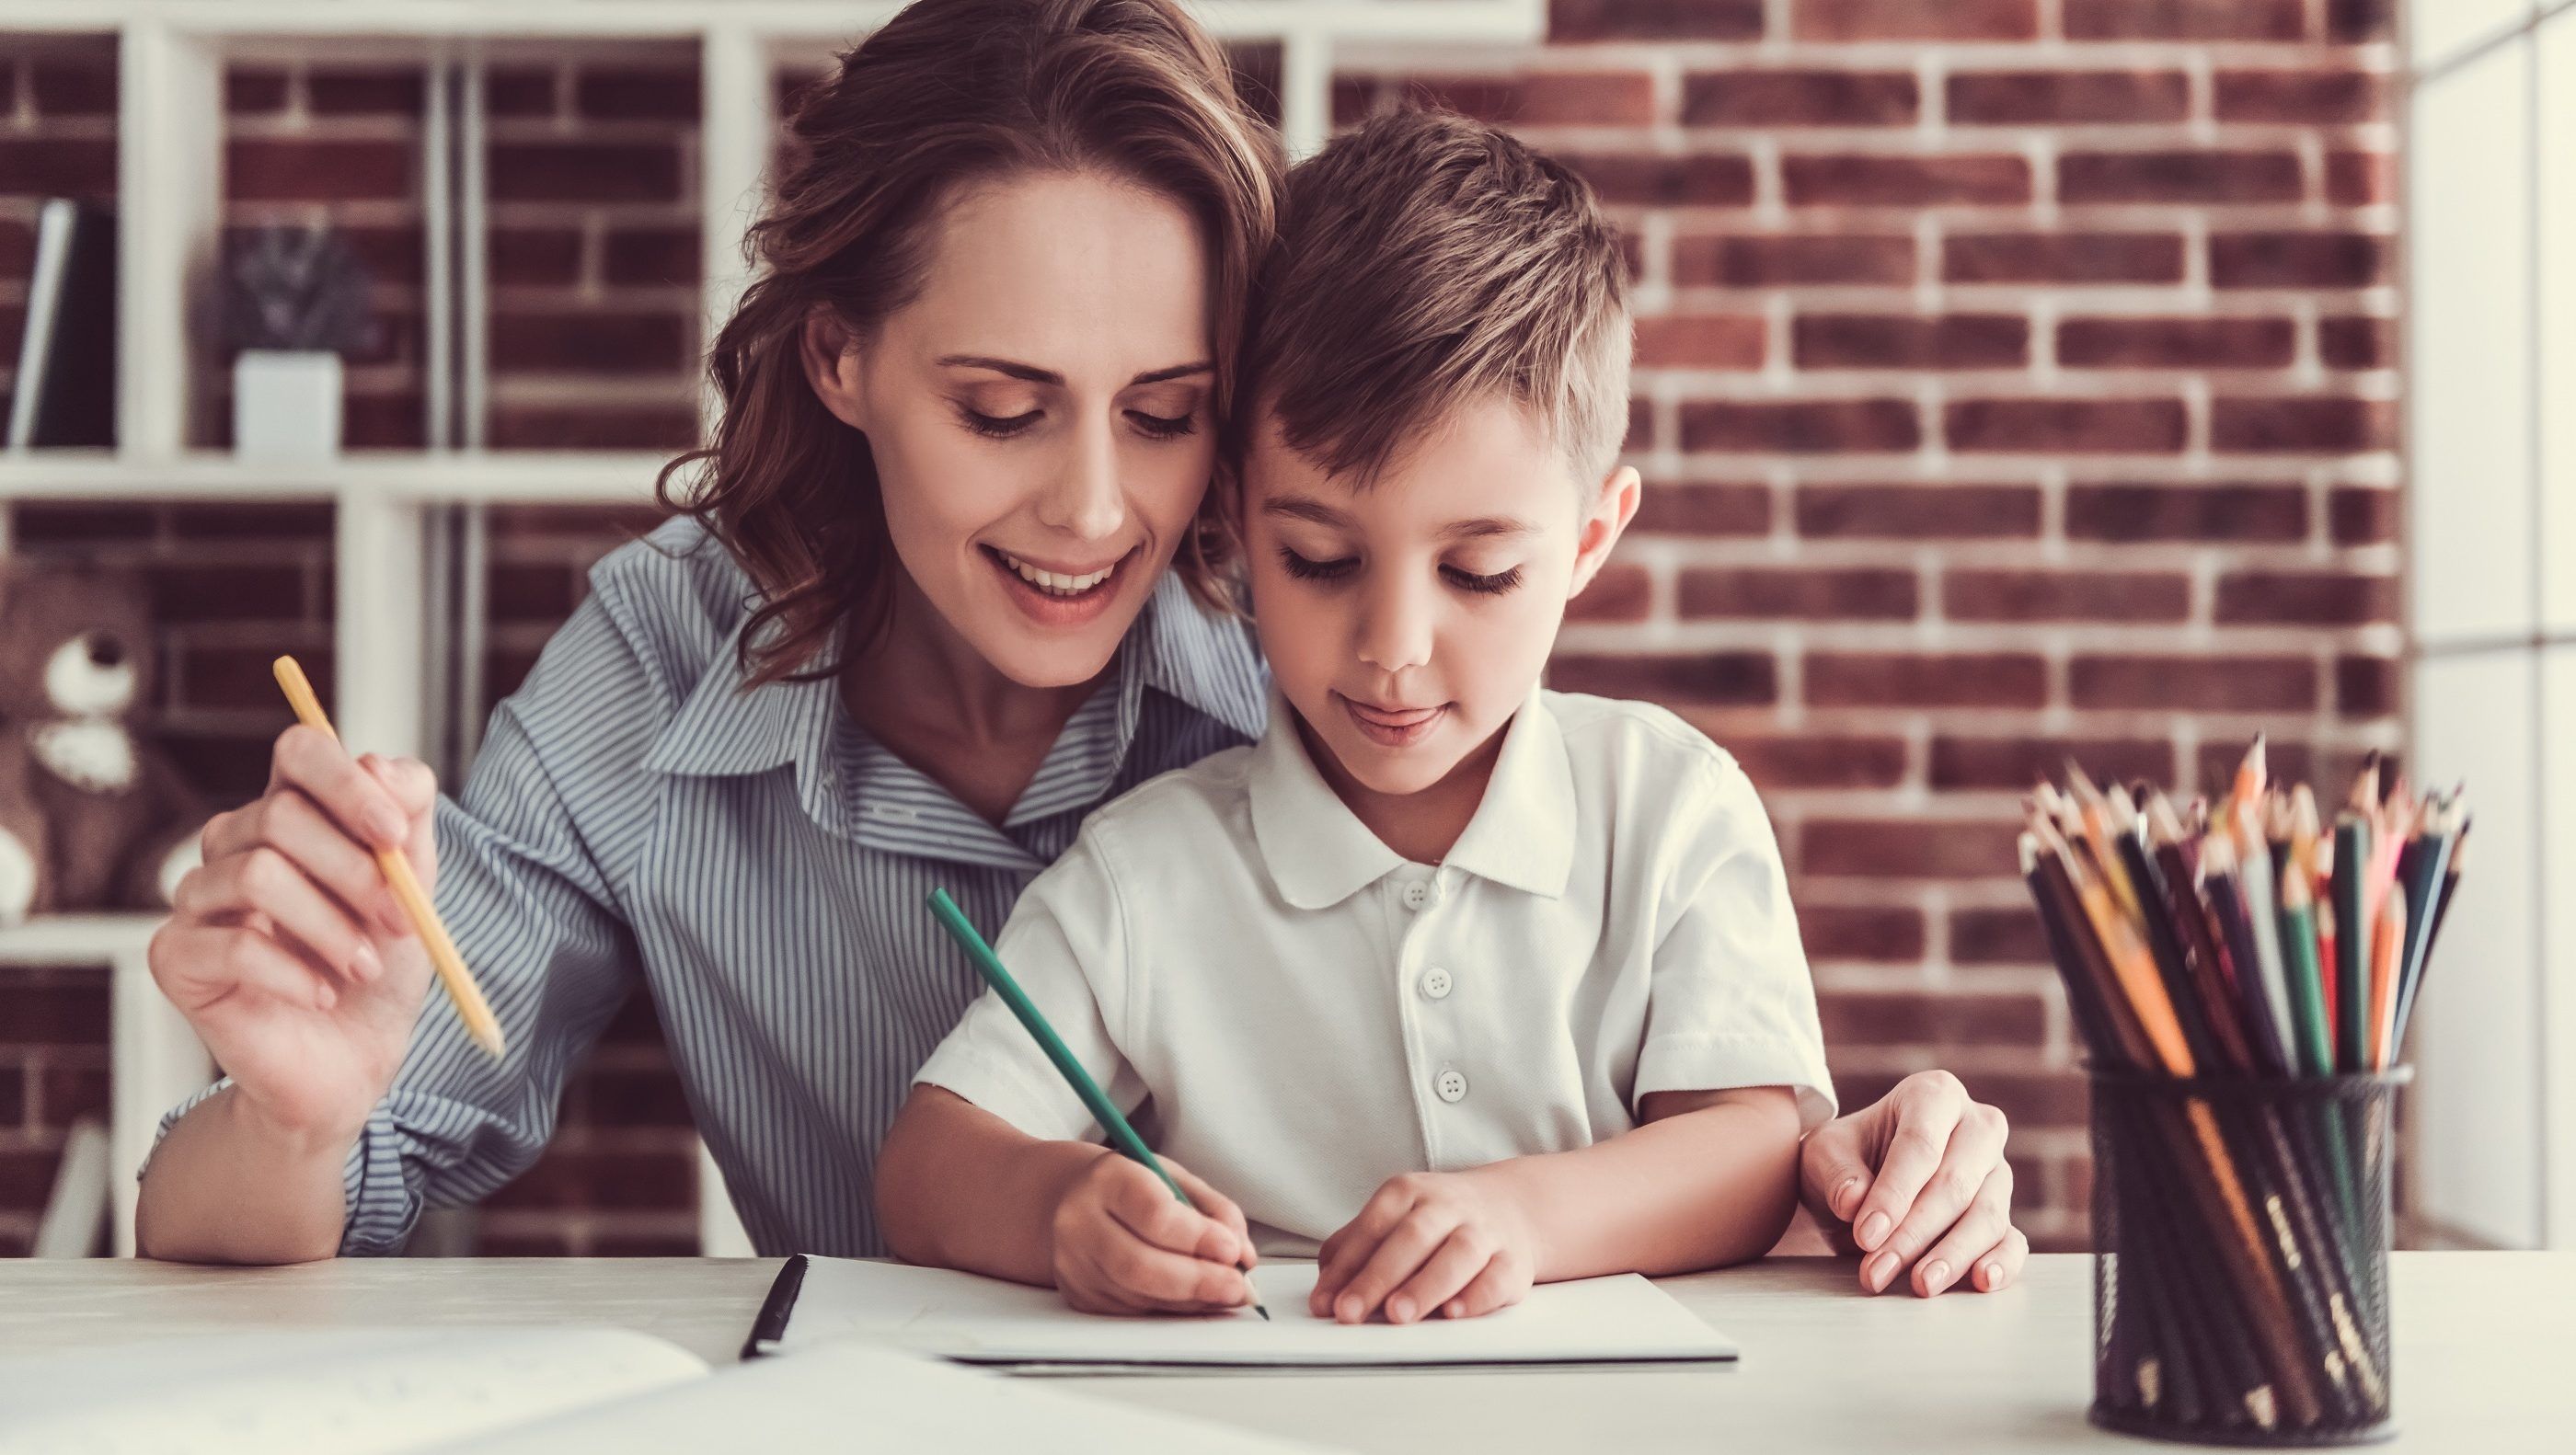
{"x":958,"y":1187}
{"x":227,"y":1186}
{"x":1710,"y":1179}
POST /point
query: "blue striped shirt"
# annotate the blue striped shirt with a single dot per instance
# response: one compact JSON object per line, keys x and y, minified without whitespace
{"x":759,"y":863}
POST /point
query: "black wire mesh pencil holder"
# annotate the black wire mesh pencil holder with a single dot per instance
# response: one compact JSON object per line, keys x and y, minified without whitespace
{"x":2240,"y":1271}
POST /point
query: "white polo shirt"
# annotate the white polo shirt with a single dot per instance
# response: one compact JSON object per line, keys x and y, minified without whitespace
{"x":1297,"y":1013}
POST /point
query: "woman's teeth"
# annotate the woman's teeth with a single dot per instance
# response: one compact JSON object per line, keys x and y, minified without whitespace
{"x":1056,"y":583}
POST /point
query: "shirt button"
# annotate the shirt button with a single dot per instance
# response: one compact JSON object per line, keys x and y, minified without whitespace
{"x":1420,"y":894}
{"x":1452,"y":1085}
{"x":1436,"y":983}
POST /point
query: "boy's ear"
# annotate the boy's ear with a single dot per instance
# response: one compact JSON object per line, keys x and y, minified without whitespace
{"x":1617,"y":504}
{"x":829,"y":353}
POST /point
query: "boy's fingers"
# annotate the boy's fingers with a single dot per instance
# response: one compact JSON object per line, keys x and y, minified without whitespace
{"x":1487,"y":1291}
{"x":1397,"y":1258}
{"x":1145,"y":1207}
{"x":1168,"y":1282}
{"x":1927,"y":1108}
{"x":1220,"y":1209}
{"x":1360,"y":1237}
{"x":1973,"y":1176}
{"x":1449,"y":1269}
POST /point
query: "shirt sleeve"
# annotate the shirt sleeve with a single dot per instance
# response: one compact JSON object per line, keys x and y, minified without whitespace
{"x":534,"y":917}
{"x":1065,"y":945}
{"x":1731,"y":1002}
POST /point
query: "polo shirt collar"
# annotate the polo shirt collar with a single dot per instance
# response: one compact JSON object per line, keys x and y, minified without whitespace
{"x":1523,"y":833}
{"x":1319,"y":853}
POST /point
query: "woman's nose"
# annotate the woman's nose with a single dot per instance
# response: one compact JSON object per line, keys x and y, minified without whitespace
{"x":1084,"y":500}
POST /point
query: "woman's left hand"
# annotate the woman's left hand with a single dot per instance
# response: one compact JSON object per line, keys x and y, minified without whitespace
{"x":1918,"y":1181}
{"x":1444,"y":1244}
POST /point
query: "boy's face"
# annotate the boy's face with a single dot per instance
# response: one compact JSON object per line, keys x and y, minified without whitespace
{"x":1407,"y":621}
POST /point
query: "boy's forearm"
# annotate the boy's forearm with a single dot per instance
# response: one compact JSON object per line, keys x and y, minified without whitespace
{"x":1696,"y":1188}
{"x":226,"y":1186}
{"x":958,"y":1187}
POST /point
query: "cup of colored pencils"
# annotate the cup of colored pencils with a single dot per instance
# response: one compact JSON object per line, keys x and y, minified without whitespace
{"x":2242,"y":975}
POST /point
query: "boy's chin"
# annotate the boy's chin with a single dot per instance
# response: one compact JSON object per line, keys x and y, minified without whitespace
{"x":1394,"y":772}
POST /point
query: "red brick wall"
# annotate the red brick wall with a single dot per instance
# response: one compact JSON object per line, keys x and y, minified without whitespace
{"x":2015,"y":379}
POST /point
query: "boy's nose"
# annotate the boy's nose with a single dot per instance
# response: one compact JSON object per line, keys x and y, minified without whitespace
{"x":1395,"y":630}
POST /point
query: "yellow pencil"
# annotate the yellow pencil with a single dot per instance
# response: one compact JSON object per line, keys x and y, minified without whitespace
{"x":477,"y":1012}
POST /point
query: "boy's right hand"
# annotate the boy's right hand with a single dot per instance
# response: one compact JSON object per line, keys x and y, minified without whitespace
{"x":1125,"y":1245}
{"x":286,"y":950}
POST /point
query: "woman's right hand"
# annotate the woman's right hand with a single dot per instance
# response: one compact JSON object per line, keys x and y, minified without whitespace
{"x":286,"y":950}
{"x":1125,"y":1245}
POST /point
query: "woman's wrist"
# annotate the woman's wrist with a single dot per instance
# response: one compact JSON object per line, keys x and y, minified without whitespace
{"x":293,"y":1140}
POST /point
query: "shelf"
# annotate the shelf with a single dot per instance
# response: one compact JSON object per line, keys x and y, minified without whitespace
{"x":604,"y":477}
{"x":778,"y":19}
{"x":77,"y":939}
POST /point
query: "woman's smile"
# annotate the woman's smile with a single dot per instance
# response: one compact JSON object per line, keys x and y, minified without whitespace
{"x":1057,"y":597}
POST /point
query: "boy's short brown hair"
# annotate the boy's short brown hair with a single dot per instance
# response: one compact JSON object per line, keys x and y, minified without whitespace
{"x":1425,"y":261}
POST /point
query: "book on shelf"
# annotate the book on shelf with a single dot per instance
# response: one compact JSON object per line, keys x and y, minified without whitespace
{"x":66,"y":386}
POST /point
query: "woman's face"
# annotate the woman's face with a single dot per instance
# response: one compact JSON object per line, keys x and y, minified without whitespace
{"x":1040,"y":415}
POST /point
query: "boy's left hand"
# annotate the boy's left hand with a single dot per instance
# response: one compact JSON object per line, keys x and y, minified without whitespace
{"x":1444,"y":1243}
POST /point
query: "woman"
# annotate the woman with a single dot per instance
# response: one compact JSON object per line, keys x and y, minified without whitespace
{"x":917,"y":623}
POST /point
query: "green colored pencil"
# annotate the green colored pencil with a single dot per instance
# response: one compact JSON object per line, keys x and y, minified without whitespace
{"x":2298,"y":938}
{"x":1103,"y":1110}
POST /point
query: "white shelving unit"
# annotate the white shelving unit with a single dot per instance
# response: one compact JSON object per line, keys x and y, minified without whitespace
{"x":172,"y":55}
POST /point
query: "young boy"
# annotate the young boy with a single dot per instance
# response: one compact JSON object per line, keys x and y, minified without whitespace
{"x":1459,"y":983}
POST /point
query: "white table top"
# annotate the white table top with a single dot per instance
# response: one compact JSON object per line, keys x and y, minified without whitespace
{"x":2484,"y":1343}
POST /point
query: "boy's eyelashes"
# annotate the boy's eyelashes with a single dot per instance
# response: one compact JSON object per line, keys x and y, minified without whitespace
{"x":1306,"y":569}
{"x":1151,"y":425}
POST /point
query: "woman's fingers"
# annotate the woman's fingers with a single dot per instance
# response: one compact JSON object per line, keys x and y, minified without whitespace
{"x":289,"y":822}
{"x":265,"y":881}
{"x":2000,"y":1268}
{"x":1976,"y":1232}
{"x":313,"y":761}
{"x":1971,"y":1163}
{"x":1926,"y":1107}
{"x":1442,"y":1276}
{"x":198,"y":965}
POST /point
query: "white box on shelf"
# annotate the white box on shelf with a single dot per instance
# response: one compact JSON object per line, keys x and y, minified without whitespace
{"x":286,"y":404}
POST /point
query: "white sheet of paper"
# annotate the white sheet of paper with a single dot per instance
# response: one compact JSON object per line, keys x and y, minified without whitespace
{"x":1621,"y":1320}
{"x":348,"y":1391}
{"x":855,"y":1396}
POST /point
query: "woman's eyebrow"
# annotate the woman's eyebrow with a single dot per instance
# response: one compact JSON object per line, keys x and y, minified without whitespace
{"x":1035,"y":375}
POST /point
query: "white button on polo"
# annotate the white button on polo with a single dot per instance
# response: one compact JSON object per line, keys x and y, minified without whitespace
{"x":1419,"y":894}
{"x":1452,"y":1085}
{"x":1436,"y":983}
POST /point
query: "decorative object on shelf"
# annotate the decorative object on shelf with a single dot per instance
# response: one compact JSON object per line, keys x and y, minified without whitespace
{"x":294,"y":301}
{"x":91,"y":816}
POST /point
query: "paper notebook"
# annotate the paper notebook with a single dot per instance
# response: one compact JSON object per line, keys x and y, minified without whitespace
{"x":380,"y":1391}
{"x":1595,"y":1322}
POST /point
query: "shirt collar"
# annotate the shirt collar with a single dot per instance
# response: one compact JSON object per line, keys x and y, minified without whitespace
{"x":722,"y":731}
{"x":1205,"y":661}
{"x":1319,"y":853}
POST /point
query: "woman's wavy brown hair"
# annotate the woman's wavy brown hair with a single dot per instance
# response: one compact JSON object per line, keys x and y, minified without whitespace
{"x":947,"y":94}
